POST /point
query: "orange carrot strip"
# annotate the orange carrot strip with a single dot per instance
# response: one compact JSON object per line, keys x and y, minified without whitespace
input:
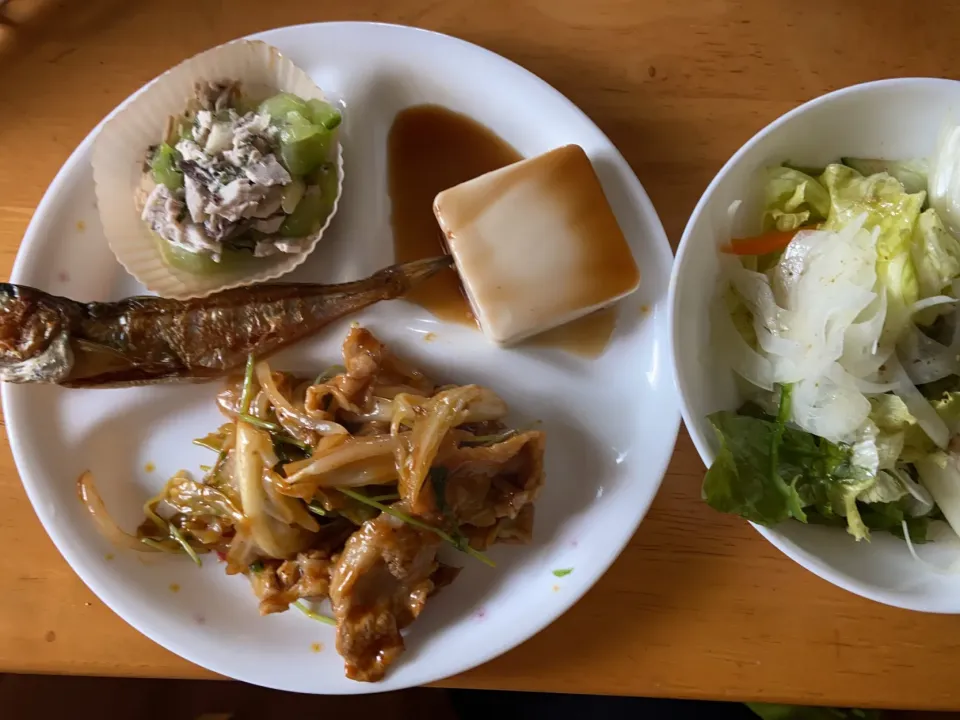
{"x":761,"y":244}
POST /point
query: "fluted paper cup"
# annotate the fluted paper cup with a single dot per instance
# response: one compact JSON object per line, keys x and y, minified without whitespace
{"x":121,"y":146}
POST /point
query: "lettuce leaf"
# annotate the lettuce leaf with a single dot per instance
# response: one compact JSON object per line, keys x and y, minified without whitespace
{"x":749,"y":479}
{"x":881,"y":198}
{"x":886,"y":489}
{"x":892,"y":418}
{"x":912,"y":174}
{"x":792,"y":198}
{"x":880,"y":517}
{"x":936,"y":254}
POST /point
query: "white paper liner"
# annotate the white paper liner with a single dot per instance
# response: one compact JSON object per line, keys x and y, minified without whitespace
{"x":121,"y":146}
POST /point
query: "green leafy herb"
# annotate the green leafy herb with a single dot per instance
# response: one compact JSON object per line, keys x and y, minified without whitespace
{"x":809,"y":471}
{"x":288,"y":452}
{"x":390,"y":497}
{"x":330,"y":373}
{"x":299,"y":605}
{"x":493,"y":439}
{"x":563,"y":572}
{"x":458,"y":543}
{"x":270,"y":427}
{"x":256,"y":566}
{"x":290,"y":440}
{"x":789,"y":491}
{"x":218,"y":465}
{"x":438,"y":479}
{"x":213,"y":441}
{"x":178,"y":536}
{"x":317,"y":509}
{"x":277,"y":431}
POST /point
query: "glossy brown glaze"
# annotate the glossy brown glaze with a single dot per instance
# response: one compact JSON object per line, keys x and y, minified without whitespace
{"x":431,"y":149}
{"x":587,"y":337}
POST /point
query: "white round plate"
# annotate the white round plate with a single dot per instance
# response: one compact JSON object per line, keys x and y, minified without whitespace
{"x":610,"y":423}
{"x":892,"y":119}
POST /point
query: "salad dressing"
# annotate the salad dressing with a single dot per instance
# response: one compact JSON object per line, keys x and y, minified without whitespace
{"x":431,"y":149}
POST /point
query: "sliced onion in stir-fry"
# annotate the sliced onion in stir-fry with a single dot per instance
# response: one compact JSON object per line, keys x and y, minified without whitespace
{"x":283,"y":406}
{"x":486,"y":406}
{"x":306,"y":465}
{"x":87,"y":491}
{"x":429,"y":425}
{"x":242,"y":551}
{"x":190,"y":497}
{"x":284,"y":508}
{"x":274,"y":538}
{"x":316,"y":471}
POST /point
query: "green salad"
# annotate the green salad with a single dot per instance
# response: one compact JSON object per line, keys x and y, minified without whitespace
{"x":840,"y":321}
{"x":234,"y":180}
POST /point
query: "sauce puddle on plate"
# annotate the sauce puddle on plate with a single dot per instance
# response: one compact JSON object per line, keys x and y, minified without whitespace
{"x":430,"y":149}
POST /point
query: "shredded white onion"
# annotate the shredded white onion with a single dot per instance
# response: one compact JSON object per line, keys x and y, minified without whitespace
{"x":955,"y":342}
{"x":927,"y":418}
{"x":733,"y":210}
{"x":820,"y":318}
{"x":936,"y":300}
{"x":924,"y":359}
{"x":862,"y":353}
{"x":952,"y":569}
{"x":282,"y":405}
{"x":743,"y":359}
{"x":940,"y":474}
{"x":827,"y":317}
{"x":90,"y":497}
{"x":923,"y":502}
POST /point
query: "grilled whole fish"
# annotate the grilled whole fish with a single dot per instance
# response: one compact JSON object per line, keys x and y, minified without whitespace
{"x":143,"y":340}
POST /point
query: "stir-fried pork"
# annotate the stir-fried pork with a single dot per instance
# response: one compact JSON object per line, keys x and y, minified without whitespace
{"x":378,"y":587}
{"x":497,"y":481}
{"x":345,"y":486}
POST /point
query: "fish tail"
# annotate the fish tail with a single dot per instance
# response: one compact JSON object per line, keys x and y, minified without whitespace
{"x":400,"y":278}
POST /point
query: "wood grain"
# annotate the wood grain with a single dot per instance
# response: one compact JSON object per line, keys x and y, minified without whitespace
{"x":698,"y":605}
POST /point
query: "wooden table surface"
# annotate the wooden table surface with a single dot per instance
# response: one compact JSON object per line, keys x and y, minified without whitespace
{"x":698,"y":605}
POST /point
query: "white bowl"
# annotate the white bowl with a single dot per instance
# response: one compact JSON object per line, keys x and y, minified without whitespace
{"x":891,"y":119}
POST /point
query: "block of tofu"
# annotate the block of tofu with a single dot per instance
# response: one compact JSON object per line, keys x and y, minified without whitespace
{"x":536,"y":244}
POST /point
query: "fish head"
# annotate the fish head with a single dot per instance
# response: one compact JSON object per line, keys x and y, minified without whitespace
{"x":34,"y":336}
